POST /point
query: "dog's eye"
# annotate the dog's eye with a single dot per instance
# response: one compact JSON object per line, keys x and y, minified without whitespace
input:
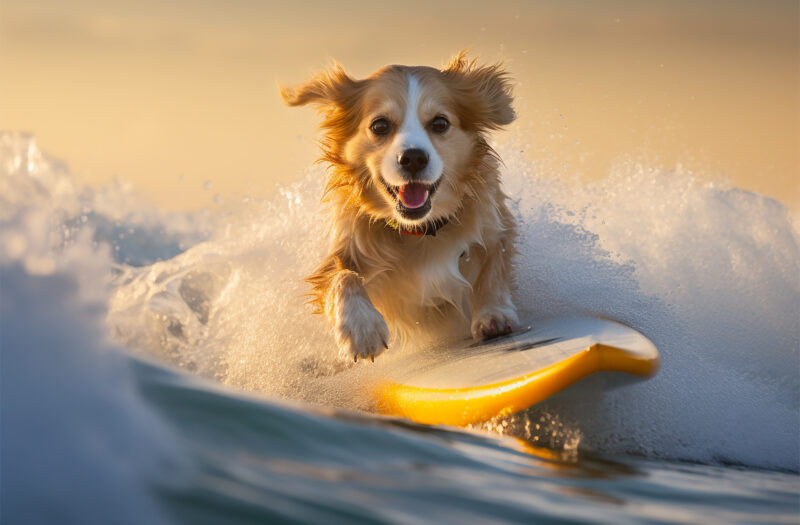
{"x":380,"y":126}
{"x":440,"y":124}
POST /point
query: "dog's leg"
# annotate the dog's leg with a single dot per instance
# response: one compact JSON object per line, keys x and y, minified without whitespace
{"x":493,"y":311}
{"x":359,"y":328}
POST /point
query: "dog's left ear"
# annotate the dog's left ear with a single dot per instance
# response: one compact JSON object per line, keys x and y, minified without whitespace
{"x":331,"y":87}
{"x":483,"y":93}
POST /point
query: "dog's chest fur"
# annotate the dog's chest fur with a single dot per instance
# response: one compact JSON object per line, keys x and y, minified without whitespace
{"x":428,"y":279}
{"x":415,"y":281}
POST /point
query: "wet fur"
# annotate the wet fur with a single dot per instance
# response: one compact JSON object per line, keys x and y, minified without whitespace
{"x":374,"y":277}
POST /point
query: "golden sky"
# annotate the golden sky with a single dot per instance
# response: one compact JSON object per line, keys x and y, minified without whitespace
{"x":173,"y":94}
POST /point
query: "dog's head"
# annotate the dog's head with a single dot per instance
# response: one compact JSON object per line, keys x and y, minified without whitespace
{"x":406,"y":143}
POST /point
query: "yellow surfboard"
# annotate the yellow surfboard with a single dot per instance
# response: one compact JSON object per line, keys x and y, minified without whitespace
{"x":477,"y":382}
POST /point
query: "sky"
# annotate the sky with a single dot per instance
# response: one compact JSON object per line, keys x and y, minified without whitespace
{"x":180,"y":98}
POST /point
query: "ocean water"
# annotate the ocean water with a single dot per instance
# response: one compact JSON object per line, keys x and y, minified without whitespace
{"x":164,"y":368}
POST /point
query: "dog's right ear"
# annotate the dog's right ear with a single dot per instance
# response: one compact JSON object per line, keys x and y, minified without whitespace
{"x":333,"y":86}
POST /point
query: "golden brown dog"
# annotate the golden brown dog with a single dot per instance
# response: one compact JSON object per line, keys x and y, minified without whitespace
{"x":420,"y":229}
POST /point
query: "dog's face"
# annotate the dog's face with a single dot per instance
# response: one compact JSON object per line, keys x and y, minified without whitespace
{"x":404,"y":142}
{"x":410,"y":143}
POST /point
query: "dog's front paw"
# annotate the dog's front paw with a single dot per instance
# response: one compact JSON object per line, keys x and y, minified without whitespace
{"x":361,"y":331}
{"x":493,"y":323}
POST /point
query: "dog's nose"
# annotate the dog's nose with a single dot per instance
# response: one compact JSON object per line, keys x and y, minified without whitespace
{"x":413,"y":160}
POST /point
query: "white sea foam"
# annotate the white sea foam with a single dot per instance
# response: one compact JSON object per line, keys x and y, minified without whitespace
{"x":708,"y":272}
{"x":78,"y":444}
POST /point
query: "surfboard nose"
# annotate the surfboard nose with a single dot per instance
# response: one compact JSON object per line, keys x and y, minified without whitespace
{"x":476,"y":383}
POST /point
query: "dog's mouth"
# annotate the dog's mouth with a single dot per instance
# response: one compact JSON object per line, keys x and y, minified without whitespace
{"x":413,"y":199}
{"x":413,"y":195}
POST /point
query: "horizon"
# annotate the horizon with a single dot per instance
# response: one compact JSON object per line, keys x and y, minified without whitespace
{"x":177,"y":99}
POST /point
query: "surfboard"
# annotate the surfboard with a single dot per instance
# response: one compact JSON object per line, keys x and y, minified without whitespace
{"x":474,"y":382}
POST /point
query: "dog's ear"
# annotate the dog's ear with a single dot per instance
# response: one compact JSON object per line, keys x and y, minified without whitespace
{"x":337,"y":96}
{"x":331,"y":87}
{"x":483,"y":93}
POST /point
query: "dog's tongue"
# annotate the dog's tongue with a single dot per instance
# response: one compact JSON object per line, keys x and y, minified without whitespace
{"x":413,"y":195}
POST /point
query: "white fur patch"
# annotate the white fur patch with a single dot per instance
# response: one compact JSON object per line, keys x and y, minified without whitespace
{"x":412,"y":134}
{"x":441,"y":280}
{"x":360,"y":329}
{"x":502,"y":313}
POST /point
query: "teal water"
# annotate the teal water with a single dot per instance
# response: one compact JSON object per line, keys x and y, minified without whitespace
{"x":256,"y":462}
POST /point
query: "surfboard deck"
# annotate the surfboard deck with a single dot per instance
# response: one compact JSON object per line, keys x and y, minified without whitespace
{"x":475,"y":382}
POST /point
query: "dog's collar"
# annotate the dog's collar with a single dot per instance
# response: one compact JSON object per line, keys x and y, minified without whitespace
{"x":429,"y":228}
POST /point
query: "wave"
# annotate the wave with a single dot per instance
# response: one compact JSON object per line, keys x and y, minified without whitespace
{"x":708,"y":272}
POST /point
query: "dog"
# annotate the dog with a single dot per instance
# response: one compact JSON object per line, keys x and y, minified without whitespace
{"x":420,"y":227}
